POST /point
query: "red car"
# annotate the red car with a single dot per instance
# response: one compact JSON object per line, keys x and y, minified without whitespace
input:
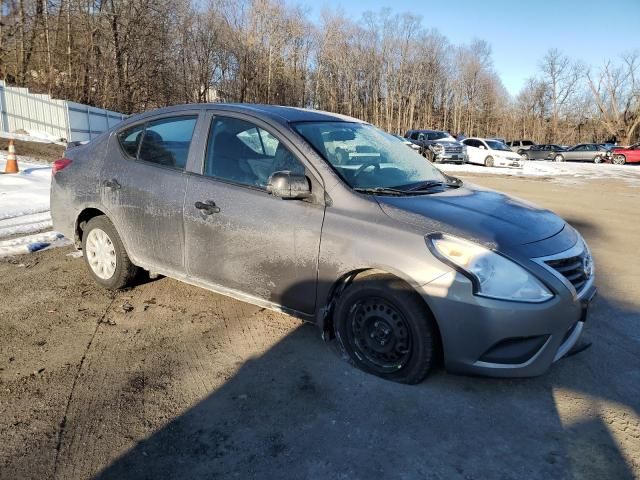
{"x":622,"y":155}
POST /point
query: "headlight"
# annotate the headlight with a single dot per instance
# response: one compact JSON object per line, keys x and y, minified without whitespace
{"x":492,"y":274}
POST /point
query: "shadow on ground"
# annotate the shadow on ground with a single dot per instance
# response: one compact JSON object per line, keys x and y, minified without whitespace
{"x":300,"y":411}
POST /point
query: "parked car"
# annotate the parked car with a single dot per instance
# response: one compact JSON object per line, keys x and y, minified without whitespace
{"x":396,"y":259}
{"x":501,"y":140}
{"x":520,"y":146}
{"x":438,"y":146}
{"x":585,"y":152}
{"x":412,"y":145}
{"x":490,"y":153}
{"x":542,"y":152}
{"x":622,"y":155}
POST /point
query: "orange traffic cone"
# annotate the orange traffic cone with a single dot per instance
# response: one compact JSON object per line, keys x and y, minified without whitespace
{"x":12,"y":160}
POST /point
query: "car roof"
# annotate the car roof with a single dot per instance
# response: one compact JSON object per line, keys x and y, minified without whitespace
{"x":277,"y":113}
{"x":421,"y":130}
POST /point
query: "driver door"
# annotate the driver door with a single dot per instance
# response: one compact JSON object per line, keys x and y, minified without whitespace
{"x":248,"y":240}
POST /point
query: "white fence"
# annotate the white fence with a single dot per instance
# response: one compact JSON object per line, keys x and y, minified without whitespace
{"x":20,"y":109}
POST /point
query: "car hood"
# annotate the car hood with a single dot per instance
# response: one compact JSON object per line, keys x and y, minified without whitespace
{"x":491,"y":218}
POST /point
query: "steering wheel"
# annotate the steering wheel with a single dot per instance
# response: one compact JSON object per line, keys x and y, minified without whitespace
{"x":365,"y":165}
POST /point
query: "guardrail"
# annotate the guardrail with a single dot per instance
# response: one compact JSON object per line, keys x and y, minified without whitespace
{"x":21,"y":109}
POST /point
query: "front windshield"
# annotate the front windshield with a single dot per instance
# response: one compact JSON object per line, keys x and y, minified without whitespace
{"x":439,"y":135}
{"x":366,"y":157}
{"x":495,"y":145}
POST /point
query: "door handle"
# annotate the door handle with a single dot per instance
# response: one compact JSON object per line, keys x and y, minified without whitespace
{"x":207,"y":207}
{"x":112,"y":184}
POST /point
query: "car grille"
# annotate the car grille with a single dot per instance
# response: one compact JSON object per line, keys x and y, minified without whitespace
{"x":452,"y":149}
{"x":577,"y":269}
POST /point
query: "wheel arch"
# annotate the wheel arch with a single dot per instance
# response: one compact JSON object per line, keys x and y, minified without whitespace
{"x":324,"y":314}
{"x":82,"y":219}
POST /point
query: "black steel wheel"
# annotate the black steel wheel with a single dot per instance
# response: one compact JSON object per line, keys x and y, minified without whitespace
{"x":379,"y":334}
{"x":385,"y":329}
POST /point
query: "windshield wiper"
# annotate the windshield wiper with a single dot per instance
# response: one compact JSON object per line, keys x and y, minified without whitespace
{"x":429,"y":184}
{"x":380,"y":191}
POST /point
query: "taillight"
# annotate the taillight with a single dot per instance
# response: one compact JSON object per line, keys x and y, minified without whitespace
{"x":60,"y":164}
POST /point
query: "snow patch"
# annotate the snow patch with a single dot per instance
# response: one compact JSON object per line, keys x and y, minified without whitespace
{"x":32,"y":243}
{"x":33,"y":136}
{"x":24,"y":209}
{"x":563,"y":172}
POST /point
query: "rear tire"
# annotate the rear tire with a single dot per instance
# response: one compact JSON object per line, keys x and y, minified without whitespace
{"x":619,"y":159}
{"x":385,"y":329}
{"x":105,"y":255}
{"x":525,"y":156}
{"x":559,"y":158}
{"x":488,"y":162}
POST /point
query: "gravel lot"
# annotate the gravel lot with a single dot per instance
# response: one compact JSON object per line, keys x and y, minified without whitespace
{"x":170,"y":381}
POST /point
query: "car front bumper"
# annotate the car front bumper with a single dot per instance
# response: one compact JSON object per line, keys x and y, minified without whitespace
{"x":504,"y":162}
{"x":483,"y":336}
{"x":448,"y":157}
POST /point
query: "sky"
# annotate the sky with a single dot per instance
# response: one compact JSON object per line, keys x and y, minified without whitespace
{"x":520,"y":32}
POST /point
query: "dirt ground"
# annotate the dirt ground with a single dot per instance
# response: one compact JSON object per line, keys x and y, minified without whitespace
{"x":47,"y":152}
{"x":170,"y":381}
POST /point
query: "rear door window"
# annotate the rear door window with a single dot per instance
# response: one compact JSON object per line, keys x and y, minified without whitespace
{"x":167,"y":141}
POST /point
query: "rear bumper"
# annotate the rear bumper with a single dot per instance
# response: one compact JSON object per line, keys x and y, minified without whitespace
{"x":483,"y":336}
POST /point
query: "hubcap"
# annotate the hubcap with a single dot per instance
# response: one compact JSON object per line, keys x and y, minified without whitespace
{"x":380,"y":335}
{"x":100,"y":253}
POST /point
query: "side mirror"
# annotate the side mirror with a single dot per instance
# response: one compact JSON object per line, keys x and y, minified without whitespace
{"x":288,"y":185}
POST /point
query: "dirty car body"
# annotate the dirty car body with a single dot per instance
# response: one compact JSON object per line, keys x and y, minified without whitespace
{"x":205,"y":194}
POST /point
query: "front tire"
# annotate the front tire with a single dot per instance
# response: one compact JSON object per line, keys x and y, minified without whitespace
{"x":619,"y":159}
{"x":385,"y":329}
{"x":559,"y":158}
{"x":597,"y":159}
{"x":488,"y":162}
{"x":105,"y":256}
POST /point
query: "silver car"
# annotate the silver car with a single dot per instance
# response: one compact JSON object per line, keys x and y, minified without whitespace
{"x":403,"y":264}
{"x":584,"y":152}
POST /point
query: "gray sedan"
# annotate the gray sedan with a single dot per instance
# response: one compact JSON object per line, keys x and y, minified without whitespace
{"x":584,"y":152}
{"x":542,"y":152}
{"x":400,"y":262}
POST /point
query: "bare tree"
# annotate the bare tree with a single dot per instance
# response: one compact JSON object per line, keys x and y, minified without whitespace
{"x":562,"y":77}
{"x":616,"y":92}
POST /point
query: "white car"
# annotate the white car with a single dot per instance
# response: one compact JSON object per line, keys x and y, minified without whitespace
{"x":491,"y":153}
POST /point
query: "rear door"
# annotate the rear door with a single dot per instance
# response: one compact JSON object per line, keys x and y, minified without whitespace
{"x":250,"y":241}
{"x":475,"y":154}
{"x":143,"y":185}
{"x":575,"y":153}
